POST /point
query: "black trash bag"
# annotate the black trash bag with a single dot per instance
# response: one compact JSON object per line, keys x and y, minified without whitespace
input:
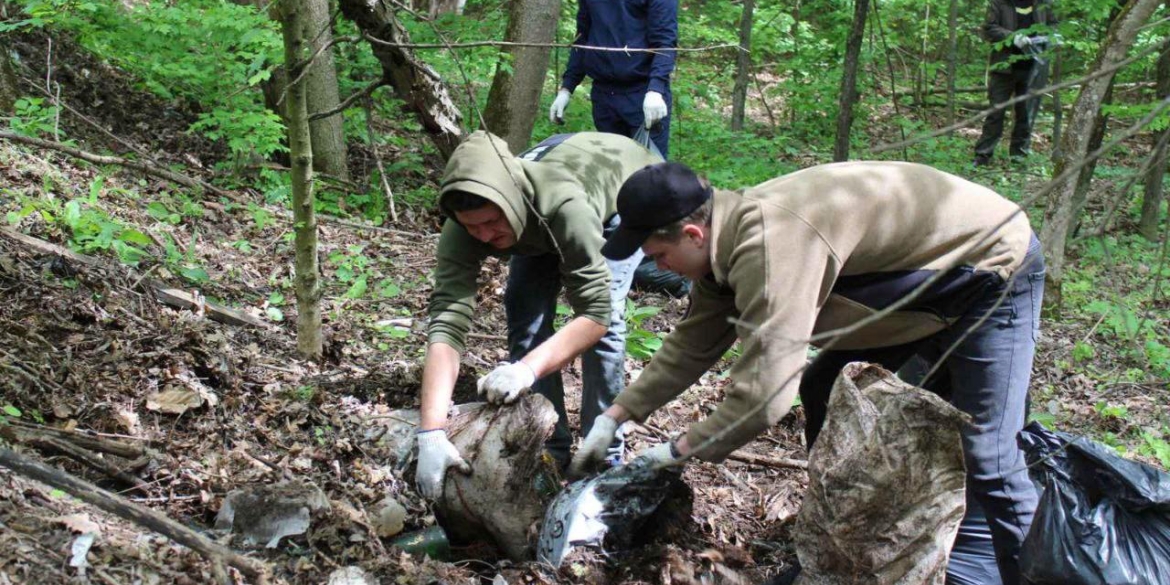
{"x":1102,"y":519}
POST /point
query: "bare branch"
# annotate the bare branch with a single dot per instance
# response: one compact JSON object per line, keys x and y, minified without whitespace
{"x":149,"y":169}
{"x":349,"y":101}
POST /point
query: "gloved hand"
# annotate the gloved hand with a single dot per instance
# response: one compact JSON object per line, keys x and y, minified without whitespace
{"x":1021,"y":41}
{"x":594,"y":448}
{"x":435,"y":455}
{"x":661,"y":455}
{"x":556,"y":114}
{"x":653,"y":108}
{"x":1040,"y":40}
{"x":505,"y":383}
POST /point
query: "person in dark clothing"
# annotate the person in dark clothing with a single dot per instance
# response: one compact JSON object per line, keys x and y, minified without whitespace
{"x":1018,"y":66}
{"x":630,"y":89}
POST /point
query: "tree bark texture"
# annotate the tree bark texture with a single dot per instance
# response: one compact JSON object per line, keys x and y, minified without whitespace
{"x":1155,"y":175}
{"x":514,"y":100}
{"x":743,"y":65}
{"x":849,"y":93}
{"x":414,"y":82}
{"x":1096,"y":139}
{"x":8,"y":89}
{"x":1061,"y":212}
{"x":294,"y":22}
{"x":328,"y":136}
{"x":952,"y":58}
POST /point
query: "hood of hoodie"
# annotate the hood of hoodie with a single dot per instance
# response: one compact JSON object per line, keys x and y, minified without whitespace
{"x":483,"y":165}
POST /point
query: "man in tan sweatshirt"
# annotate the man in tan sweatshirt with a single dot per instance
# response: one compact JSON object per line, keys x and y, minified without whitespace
{"x":812,"y":257}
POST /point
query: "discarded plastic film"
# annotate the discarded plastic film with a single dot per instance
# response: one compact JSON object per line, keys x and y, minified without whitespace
{"x":604,"y":511}
{"x":886,"y":485}
{"x":264,"y":514}
{"x":501,"y":498}
{"x":1102,"y":519}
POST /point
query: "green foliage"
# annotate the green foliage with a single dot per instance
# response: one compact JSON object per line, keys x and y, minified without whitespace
{"x":203,"y":52}
{"x":12,"y":411}
{"x":31,"y":117}
{"x":641,"y":343}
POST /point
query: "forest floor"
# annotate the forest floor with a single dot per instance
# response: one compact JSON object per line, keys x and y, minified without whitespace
{"x":88,"y":348}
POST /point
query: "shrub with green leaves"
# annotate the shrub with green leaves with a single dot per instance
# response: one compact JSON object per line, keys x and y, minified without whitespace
{"x":207,"y":53}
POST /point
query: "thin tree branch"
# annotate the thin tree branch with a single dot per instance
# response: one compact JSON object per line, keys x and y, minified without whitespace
{"x":501,"y":44}
{"x":149,"y":169}
{"x":132,"y":512}
{"x":378,"y":160}
{"x":349,"y":101}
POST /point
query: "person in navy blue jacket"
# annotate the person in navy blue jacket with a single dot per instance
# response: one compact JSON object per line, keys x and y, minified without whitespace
{"x":630,"y":89}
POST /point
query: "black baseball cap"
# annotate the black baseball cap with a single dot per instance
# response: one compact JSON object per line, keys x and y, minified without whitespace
{"x":653,"y":197}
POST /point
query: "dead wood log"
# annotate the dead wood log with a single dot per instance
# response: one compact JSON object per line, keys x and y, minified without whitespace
{"x":98,"y":444}
{"x":100,"y":159}
{"x":49,"y":247}
{"x":414,"y":82}
{"x":504,"y":497}
{"x":81,"y":448}
{"x":118,"y":506}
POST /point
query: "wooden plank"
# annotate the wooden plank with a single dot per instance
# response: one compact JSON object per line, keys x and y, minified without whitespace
{"x":182,"y":299}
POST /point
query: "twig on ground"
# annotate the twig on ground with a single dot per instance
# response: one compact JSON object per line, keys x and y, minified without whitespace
{"x":128,"y":510}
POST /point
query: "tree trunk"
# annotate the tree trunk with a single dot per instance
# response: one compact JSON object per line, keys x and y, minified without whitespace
{"x":743,"y":64}
{"x":329,"y":148}
{"x":413,"y":81}
{"x":1057,"y":106}
{"x":1096,"y":139}
{"x":8,"y":89}
{"x":514,"y":100}
{"x":849,"y":93}
{"x":328,"y":136}
{"x":293,"y":17}
{"x":952,"y":58}
{"x":1155,"y":175}
{"x":1062,"y":212}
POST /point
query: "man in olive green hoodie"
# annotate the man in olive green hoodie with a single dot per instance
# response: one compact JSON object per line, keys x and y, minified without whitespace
{"x":871,"y":261}
{"x":549,"y":209}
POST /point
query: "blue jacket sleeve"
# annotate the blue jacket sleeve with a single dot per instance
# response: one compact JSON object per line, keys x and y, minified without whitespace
{"x":662,"y":33}
{"x":575,"y":69}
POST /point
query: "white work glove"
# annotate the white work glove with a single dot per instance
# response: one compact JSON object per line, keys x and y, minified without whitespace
{"x":660,"y":455}
{"x":435,"y":455}
{"x":653,"y":108}
{"x":1021,"y":41}
{"x":505,"y":383}
{"x":556,"y":114}
{"x":1039,"y":40}
{"x":595,"y":447}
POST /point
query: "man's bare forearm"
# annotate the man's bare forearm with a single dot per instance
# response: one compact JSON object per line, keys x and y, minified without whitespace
{"x":564,"y":346}
{"x":438,"y":384}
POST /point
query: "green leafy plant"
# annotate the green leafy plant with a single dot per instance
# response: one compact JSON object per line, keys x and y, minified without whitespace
{"x":641,"y":343}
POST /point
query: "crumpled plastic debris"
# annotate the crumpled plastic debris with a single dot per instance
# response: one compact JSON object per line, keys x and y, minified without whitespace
{"x":604,"y":511}
{"x":886,"y":485}
{"x":267,"y":513}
